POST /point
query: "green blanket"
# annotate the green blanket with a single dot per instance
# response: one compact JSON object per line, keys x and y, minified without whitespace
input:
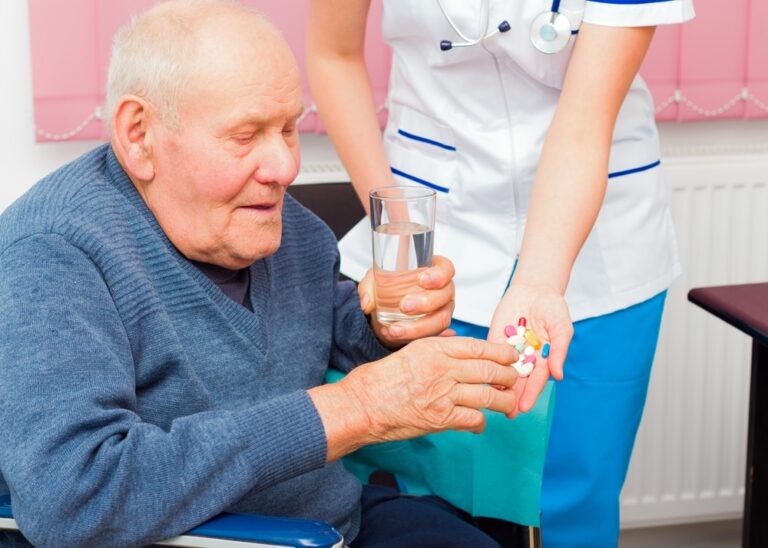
{"x":495,"y":474}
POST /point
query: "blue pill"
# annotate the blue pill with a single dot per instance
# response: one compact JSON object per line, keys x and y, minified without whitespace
{"x":545,"y":350}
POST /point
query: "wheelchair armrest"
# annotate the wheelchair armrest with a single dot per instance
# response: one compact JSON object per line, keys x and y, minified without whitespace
{"x":268,"y":530}
{"x":240,"y":529}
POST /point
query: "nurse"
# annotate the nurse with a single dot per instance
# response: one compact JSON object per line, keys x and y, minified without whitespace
{"x":529,"y":119}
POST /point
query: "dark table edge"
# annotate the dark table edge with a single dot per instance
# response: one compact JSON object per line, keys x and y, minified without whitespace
{"x":734,"y":321}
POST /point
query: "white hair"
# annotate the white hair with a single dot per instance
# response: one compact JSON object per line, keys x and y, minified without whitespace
{"x":153,"y":56}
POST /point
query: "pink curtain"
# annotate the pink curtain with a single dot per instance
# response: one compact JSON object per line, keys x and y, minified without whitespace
{"x":713,"y":67}
{"x":71,"y":43}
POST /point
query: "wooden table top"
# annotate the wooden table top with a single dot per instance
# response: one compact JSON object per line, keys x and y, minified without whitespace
{"x":743,"y":306}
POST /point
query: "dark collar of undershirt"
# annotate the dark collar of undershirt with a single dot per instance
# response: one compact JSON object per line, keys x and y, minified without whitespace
{"x":234,"y":283}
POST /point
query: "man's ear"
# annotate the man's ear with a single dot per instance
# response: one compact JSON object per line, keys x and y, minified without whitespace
{"x":132,"y":138}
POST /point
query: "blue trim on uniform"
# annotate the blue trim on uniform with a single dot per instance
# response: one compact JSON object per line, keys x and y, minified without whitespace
{"x":555,"y":6}
{"x":425,"y":140}
{"x":630,"y":2}
{"x":634,"y":170}
{"x":418,"y":180}
{"x":574,"y":32}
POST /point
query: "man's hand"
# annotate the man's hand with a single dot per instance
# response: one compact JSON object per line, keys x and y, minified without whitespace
{"x":431,"y":385}
{"x":435,"y":301}
{"x":547,"y":314}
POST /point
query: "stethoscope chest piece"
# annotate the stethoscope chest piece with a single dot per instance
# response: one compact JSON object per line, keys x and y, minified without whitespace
{"x":550,"y":32}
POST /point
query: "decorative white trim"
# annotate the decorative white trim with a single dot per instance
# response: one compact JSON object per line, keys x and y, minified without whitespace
{"x":744,"y":95}
{"x":96,"y":114}
{"x":676,"y":98}
{"x":745,"y":150}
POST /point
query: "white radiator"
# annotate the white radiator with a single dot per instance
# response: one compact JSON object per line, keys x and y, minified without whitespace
{"x":689,"y":458}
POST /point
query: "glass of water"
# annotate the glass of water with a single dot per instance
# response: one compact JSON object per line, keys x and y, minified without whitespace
{"x":402,"y":223}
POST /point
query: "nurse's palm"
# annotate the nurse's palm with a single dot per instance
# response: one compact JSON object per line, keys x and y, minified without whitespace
{"x":547,"y":314}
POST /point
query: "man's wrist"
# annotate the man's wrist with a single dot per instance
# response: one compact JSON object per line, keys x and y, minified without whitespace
{"x":345,"y":421}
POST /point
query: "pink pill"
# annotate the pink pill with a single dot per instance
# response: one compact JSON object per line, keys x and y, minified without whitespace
{"x":510,"y":330}
{"x":522,"y":321}
{"x":529,"y":359}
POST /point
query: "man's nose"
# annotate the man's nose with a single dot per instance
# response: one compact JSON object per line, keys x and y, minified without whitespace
{"x":278,"y":161}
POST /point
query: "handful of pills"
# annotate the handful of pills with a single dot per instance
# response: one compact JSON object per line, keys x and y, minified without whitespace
{"x":526,"y":342}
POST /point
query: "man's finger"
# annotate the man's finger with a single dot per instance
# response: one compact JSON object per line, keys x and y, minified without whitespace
{"x":482,"y":396}
{"x":484,"y":372}
{"x":466,"y":418}
{"x":365,"y":289}
{"x":438,"y":275}
{"x":424,"y":302}
{"x":467,"y":347}
{"x":435,"y":322}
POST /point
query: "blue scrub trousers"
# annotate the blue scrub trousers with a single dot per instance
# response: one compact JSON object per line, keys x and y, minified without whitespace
{"x":598,"y":406}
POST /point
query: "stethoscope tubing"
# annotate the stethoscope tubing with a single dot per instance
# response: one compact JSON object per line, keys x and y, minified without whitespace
{"x":550,"y":30}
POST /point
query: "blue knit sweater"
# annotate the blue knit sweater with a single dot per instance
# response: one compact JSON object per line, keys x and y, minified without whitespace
{"x":136,"y":399}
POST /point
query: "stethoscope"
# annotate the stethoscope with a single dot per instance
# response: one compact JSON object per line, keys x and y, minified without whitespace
{"x":550,"y":30}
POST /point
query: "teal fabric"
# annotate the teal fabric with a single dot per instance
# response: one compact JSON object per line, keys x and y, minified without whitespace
{"x":496,"y":474}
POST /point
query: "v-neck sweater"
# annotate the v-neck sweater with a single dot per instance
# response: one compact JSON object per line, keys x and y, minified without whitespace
{"x":136,"y":399}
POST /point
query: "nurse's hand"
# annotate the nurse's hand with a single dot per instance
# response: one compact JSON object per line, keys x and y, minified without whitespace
{"x":434,"y":299}
{"x":546,"y":312}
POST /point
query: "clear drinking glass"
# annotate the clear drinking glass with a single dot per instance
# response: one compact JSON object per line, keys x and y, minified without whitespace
{"x":402,"y":223}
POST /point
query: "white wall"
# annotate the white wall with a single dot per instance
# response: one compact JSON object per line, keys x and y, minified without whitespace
{"x":22,"y":161}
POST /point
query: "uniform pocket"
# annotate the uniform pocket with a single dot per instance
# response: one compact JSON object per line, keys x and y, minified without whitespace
{"x":422,"y":151}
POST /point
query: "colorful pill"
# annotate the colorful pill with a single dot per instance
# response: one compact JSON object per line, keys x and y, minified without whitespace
{"x":525,"y":369}
{"x":509,"y":330}
{"x":529,"y":350}
{"x":530,"y":359}
{"x":514,"y":340}
{"x":520,"y":346}
{"x":532,"y":339}
{"x":545,"y":350}
{"x":521,"y":321}
{"x":521,"y":330}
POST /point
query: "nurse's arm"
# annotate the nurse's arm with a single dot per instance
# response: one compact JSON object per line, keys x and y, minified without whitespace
{"x":573,"y":174}
{"x":342,"y":90}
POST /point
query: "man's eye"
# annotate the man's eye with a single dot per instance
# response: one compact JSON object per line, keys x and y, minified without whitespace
{"x":243,"y":138}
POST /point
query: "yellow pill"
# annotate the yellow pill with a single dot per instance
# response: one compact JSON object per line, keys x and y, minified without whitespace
{"x":532,"y":339}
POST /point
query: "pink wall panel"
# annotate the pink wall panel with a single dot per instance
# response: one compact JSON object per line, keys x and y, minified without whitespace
{"x":71,"y":44}
{"x":757,"y":63}
{"x":661,"y":68}
{"x":709,"y":59}
{"x":66,"y":80}
{"x":713,"y":57}
{"x":64,"y":46}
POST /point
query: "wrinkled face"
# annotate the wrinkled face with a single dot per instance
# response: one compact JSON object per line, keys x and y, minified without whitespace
{"x":221,"y":178}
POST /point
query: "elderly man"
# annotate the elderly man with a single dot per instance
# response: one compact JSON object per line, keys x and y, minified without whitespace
{"x":169,"y":314}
